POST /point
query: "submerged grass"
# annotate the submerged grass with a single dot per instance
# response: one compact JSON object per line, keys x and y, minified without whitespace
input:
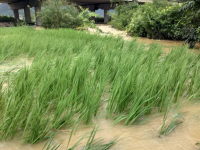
{"x":70,"y":72}
{"x":94,"y":144}
{"x":171,"y":124}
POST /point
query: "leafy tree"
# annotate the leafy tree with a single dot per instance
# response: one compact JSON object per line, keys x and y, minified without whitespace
{"x":7,"y":19}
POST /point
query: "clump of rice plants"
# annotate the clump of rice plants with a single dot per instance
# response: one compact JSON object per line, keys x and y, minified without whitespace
{"x":92,"y":143}
{"x":52,"y":145}
{"x":147,"y":80}
{"x":171,"y":124}
{"x":70,"y":72}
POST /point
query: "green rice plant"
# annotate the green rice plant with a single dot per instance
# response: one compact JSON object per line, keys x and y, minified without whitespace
{"x":51,"y":145}
{"x":149,"y":83}
{"x":171,"y":124}
{"x":94,"y":144}
{"x":71,"y":72}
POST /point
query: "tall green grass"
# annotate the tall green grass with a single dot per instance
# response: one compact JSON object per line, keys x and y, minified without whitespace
{"x":70,"y":72}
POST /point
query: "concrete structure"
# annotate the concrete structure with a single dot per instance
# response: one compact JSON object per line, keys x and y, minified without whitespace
{"x":16,"y":5}
{"x":16,"y":14}
{"x":93,"y":5}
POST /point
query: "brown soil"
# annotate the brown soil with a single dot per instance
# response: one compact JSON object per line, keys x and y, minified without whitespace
{"x":5,"y":24}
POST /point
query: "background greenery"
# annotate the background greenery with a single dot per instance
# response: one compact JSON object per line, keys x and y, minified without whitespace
{"x":6,"y":19}
{"x":160,"y":20}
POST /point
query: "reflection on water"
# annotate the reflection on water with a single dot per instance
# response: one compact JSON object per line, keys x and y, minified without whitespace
{"x":138,"y":137}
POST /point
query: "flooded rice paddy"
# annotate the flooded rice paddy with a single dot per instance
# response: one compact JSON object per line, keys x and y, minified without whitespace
{"x":143,"y":135}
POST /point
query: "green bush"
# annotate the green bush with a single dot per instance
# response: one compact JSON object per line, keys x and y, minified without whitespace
{"x":161,"y":3}
{"x":99,"y":19}
{"x":6,"y":19}
{"x":85,"y":16}
{"x":59,"y":14}
{"x":122,"y":14}
{"x":136,"y":26}
{"x":159,"y":20}
{"x":156,"y":22}
{"x":191,"y":14}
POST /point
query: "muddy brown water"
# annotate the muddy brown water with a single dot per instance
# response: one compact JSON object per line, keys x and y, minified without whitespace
{"x":136,"y":137}
{"x":142,"y":136}
{"x":168,"y":44}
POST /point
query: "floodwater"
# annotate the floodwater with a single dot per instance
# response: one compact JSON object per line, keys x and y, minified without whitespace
{"x":140,"y":136}
{"x":136,"y":137}
{"x":168,"y":44}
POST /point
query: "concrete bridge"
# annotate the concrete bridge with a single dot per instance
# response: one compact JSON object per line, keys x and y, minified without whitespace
{"x":93,"y":5}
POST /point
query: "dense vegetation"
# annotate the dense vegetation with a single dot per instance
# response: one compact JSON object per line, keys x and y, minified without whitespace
{"x":73,"y":70}
{"x":59,"y":14}
{"x":191,"y":29}
{"x":64,"y":14}
{"x":160,"y":20}
{"x":7,"y":19}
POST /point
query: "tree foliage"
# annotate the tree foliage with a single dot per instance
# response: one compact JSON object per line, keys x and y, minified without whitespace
{"x":65,"y":14}
{"x":122,"y":14}
{"x":161,"y":20}
{"x":59,"y":14}
{"x":161,"y":3}
{"x":191,"y":30}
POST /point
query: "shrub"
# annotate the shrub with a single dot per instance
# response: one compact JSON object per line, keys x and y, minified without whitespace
{"x":85,"y":15}
{"x":191,"y":30}
{"x":122,"y":14}
{"x":59,"y":14}
{"x":136,"y":26}
{"x":156,"y":22}
{"x":161,"y":20}
{"x":160,"y":3}
{"x":6,"y":19}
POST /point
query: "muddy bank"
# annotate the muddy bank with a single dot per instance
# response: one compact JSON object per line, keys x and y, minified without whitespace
{"x":6,"y":24}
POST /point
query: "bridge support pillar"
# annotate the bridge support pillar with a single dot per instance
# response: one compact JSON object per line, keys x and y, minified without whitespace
{"x":16,"y":14}
{"x":106,"y":17}
{"x":27,"y":15}
{"x":37,"y":10}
